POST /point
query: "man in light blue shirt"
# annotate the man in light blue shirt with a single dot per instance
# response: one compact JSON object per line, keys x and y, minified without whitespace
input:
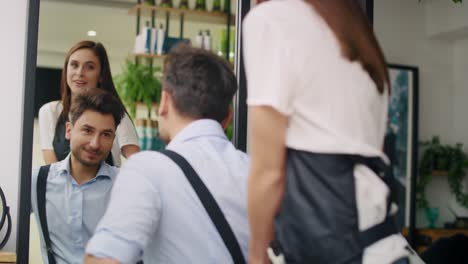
{"x":78,"y":187}
{"x":154,"y":211}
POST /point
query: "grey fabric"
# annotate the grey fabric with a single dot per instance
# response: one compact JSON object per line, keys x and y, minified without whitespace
{"x":318,"y":221}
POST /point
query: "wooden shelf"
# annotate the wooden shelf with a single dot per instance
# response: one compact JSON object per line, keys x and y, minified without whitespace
{"x":149,"y":56}
{"x":7,"y":257}
{"x":202,"y":16}
{"x":155,"y":56}
{"x":439,"y":173}
{"x":142,"y":104}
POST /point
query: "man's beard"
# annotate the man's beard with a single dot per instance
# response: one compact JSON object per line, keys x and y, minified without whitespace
{"x":76,"y":154}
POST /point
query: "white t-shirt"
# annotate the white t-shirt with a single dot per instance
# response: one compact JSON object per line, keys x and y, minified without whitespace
{"x":49,"y":114}
{"x":294,"y":64}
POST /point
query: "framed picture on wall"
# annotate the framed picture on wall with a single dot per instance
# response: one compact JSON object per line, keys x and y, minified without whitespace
{"x":401,"y":138}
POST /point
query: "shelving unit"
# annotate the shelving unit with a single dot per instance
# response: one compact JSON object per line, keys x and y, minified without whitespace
{"x":148,"y":56}
{"x":193,"y":15}
{"x":140,"y":10}
{"x":183,"y":15}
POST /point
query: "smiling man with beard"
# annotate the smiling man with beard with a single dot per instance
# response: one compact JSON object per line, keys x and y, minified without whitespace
{"x":69,"y":197}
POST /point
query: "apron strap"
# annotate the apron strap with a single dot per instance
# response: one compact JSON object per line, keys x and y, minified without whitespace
{"x":388,"y":226}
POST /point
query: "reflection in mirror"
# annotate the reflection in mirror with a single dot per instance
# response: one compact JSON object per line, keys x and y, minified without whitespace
{"x":115,"y":24}
{"x":417,"y":40}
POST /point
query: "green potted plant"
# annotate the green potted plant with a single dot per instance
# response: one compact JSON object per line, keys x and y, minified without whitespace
{"x":447,"y":158}
{"x":138,"y":83}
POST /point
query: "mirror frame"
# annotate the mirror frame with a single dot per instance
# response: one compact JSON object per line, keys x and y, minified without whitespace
{"x":24,"y":194}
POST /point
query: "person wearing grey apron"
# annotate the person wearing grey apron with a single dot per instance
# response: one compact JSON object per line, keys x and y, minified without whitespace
{"x":318,"y":89}
{"x":86,"y":67}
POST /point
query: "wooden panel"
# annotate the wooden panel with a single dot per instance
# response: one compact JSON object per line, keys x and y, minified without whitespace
{"x":7,"y":257}
{"x":431,"y":235}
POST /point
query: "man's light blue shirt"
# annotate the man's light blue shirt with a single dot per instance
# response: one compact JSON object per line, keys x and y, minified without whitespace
{"x":73,"y":211}
{"x":154,"y":209}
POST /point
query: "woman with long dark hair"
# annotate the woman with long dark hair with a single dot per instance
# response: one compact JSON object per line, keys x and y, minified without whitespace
{"x":86,"y":67}
{"x":318,"y":90}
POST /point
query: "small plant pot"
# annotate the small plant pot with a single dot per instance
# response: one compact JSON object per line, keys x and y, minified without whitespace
{"x":432,"y":214}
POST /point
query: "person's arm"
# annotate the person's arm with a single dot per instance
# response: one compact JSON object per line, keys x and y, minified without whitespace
{"x":49,"y":156}
{"x":267,"y":176}
{"x":129,"y":150}
{"x":127,"y":137}
{"x":93,"y":260}
{"x":47,"y":121}
{"x":133,"y":213}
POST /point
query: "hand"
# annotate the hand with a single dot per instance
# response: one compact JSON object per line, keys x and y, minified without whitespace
{"x":258,"y":259}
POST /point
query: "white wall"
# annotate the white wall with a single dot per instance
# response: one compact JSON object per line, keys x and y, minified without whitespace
{"x":13,"y":23}
{"x":460,"y":106}
{"x":400,"y":26}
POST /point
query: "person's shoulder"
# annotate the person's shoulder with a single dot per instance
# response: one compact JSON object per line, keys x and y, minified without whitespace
{"x":243,"y":156}
{"x":36,"y":170}
{"x":147,"y":160}
{"x":54,"y":107}
{"x":272,"y":10}
{"x":51,"y":105}
{"x":111,"y":170}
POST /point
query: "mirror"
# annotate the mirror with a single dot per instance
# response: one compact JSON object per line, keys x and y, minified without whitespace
{"x":114,"y":23}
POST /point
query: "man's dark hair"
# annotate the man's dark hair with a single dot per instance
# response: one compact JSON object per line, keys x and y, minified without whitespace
{"x":201,"y":83}
{"x":97,"y":100}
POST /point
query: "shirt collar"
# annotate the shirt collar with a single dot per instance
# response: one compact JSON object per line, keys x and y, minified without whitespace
{"x":199,"y":128}
{"x":105,"y":170}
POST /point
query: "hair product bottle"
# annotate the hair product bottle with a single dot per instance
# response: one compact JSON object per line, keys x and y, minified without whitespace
{"x":140,"y":129}
{"x":166,"y":3}
{"x":216,"y":5}
{"x":201,"y":5}
{"x":184,"y":4}
{"x":160,"y":40}
{"x":199,"y":40}
{"x":147,"y":34}
{"x":207,"y":40}
{"x":149,"y":134}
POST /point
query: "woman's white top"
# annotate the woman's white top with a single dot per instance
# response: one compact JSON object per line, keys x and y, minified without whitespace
{"x":294,"y":64}
{"x":49,"y":114}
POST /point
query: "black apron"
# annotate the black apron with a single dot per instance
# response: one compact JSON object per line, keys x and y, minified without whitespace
{"x":62,"y":145}
{"x":318,"y":219}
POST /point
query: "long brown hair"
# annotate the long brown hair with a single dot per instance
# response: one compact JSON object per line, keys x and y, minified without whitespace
{"x":355,"y":35}
{"x":105,"y":75}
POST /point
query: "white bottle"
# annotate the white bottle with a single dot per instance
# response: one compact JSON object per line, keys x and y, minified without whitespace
{"x":149,"y":135}
{"x":199,"y":40}
{"x":154,"y":37}
{"x":207,"y":40}
{"x":140,"y":129}
{"x":160,"y":40}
